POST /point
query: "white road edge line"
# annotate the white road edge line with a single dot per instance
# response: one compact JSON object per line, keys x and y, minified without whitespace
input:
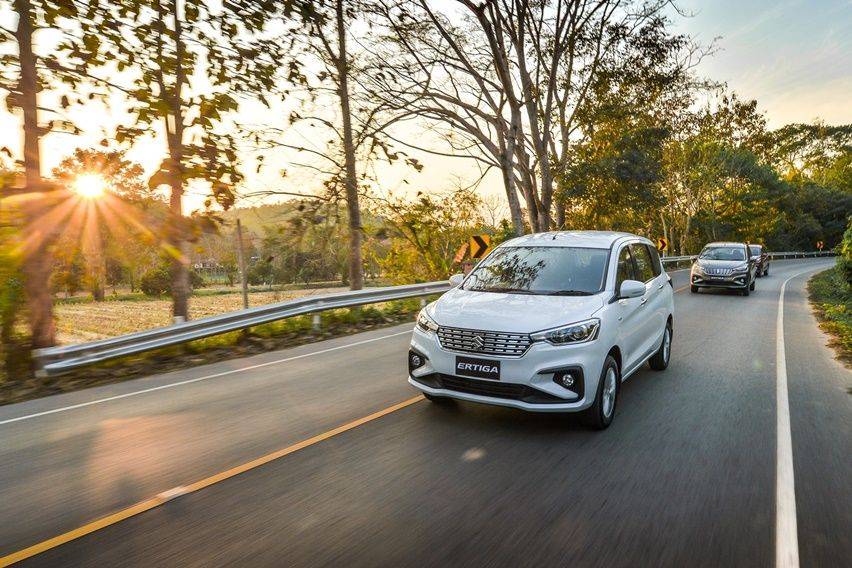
{"x":198,"y":379}
{"x":786,"y":530}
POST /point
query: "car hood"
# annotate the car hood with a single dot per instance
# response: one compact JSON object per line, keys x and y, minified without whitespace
{"x":720,"y":263}
{"x":520,"y":313}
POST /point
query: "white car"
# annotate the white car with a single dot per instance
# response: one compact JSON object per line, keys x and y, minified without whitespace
{"x":550,"y":322}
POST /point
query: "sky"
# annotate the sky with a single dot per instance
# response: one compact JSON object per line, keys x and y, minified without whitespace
{"x":794,"y":57}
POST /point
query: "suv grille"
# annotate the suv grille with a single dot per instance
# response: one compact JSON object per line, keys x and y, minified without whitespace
{"x":486,"y":342}
{"x":719,"y":271}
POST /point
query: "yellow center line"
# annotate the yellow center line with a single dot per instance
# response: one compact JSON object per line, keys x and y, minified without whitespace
{"x":198,"y":485}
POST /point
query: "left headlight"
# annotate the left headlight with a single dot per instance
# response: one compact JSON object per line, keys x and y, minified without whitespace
{"x":741,"y":269}
{"x":579,"y":332}
{"x":425,"y":323}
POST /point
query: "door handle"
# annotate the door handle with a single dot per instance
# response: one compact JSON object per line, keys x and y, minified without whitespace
{"x":643,"y":302}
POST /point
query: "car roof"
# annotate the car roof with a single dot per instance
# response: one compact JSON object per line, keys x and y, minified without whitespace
{"x":585,"y":239}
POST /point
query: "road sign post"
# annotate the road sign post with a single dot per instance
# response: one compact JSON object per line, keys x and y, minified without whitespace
{"x":662,"y":244}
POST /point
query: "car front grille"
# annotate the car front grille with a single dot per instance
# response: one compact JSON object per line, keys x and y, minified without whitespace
{"x":718,"y":271}
{"x":498,"y":343}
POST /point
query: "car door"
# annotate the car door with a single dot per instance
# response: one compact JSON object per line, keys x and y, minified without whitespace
{"x":654,"y":301}
{"x":628,"y":311}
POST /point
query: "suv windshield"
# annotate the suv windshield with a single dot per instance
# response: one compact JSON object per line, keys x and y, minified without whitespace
{"x":755,"y":250}
{"x":723,"y":253}
{"x":566,"y":271}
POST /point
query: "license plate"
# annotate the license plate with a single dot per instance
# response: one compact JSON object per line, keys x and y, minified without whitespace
{"x":479,"y":368}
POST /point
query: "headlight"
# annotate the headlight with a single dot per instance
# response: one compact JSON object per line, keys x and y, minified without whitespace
{"x":425,"y":323}
{"x":697,"y":268}
{"x":579,"y":332}
{"x":740,"y":269}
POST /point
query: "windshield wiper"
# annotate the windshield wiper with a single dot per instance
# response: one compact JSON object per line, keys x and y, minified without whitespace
{"x":569,"y":293}
{"x":501,"y":290}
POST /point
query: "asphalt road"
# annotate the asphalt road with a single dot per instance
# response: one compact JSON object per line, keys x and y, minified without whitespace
{"x":684,"y":477}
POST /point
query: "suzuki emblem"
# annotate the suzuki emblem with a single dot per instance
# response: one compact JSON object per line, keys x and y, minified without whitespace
{"x":478,"y":342}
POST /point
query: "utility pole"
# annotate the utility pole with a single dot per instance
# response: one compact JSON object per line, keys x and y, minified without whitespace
{"x":241,"y":259}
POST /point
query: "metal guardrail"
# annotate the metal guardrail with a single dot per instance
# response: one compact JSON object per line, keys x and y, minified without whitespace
{"x":58,"y":360}
{"x":773,"y":255}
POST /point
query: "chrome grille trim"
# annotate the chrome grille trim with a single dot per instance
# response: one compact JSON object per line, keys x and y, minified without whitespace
{"x":500,"y":343}
{"x":719,"y":271}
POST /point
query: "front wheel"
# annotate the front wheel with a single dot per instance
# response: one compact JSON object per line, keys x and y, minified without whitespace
{"x":660,"y":360}
{"x":694,"y":289}
{"x":599,"y":415}
{"x":744,"y":292}
{"x":752,"y":286}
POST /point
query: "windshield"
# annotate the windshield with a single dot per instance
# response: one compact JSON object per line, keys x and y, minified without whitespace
{"x":723,"y":253}
{"x":567,"y":271}
{"x":755,"y":250}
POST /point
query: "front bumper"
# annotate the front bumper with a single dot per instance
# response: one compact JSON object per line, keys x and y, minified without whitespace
{"x":526,"y":382}
{"x":734,"y":281}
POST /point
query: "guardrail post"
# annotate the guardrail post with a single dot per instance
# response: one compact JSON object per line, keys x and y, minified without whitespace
{"x":315,"y":322}
{"x":422,"y":303}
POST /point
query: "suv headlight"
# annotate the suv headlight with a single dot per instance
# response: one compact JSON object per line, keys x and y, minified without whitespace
{"x":425,"y":323}
{"x":741,"y":269}
{"x":579,"y":332}
{"x":696,"y":269}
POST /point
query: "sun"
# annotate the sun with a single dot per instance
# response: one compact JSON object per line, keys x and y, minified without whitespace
{"x":90,"y":186}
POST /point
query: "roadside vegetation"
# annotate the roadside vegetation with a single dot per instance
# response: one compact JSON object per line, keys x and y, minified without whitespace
{"x":831,"y":296}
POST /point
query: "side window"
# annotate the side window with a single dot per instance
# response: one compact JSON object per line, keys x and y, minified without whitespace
{"x":625,"y":268}
{"x":656,"y":265}
{"x":644,"y":269}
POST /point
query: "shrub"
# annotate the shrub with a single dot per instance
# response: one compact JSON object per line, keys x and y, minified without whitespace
{"x":844,"y":261}
{"x":158,"y":281}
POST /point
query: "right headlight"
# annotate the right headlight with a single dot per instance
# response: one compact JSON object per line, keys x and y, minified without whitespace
{"x":579,"y":332}
{"x":425,"y":323}
{"x":696,"y":268}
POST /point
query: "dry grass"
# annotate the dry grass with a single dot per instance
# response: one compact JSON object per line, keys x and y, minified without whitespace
{"x":79,"y":322}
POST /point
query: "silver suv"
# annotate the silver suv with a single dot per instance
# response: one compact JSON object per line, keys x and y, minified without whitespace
{"x":724,"y":265}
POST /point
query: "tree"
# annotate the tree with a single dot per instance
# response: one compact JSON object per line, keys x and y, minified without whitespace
{"x":191,"y":61}
{"x":510,"y":77}
{"x":334,"y":76}
{"x":24,"y":74}
{"x":125,"y":185}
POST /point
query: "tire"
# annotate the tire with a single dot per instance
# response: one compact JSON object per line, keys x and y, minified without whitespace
{"x":660,"y":359}
{"x":693,"y":289}
{"x":766,"y":271}
{"x":599,"y":416}
{"x":744,"y":292}
{"x":751,"y":287}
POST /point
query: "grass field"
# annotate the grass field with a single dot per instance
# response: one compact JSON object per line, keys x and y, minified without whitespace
{"x":832,"y":301}
{"x":87,"y":321}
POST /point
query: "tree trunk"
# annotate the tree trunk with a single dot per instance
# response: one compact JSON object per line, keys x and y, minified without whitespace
{"x":176,"y":238}
{"x":36,"y":263}
{"x":507,"y":170}
{"x":356,"y":268}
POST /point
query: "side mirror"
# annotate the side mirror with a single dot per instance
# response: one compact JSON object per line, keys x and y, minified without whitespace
{"x":456,"y":279}
{"x":631,"y":289}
